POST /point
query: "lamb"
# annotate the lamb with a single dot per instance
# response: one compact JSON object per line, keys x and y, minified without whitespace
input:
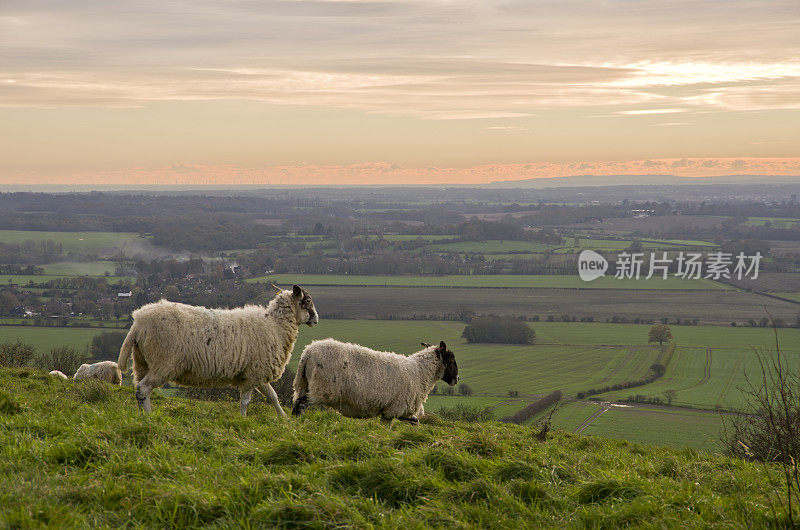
{"x":59,"y":374}
{"x":106,"y":371}
{"x":245,"y":348}
{"x":363,"y":383}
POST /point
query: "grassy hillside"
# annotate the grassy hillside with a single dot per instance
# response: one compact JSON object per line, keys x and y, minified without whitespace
{"x":81,"y":455}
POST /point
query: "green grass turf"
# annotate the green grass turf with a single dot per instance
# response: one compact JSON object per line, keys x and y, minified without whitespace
{"x":494,"y":280}
{"x":86,"y":242}
{"x":77,"y":454}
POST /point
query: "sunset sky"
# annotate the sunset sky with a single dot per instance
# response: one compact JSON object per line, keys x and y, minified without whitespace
{"x":395,"y":91}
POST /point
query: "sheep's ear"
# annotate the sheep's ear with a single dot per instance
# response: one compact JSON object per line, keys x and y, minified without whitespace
{"x":297,"y":292}
{"x":425,"y":344}
{"x":442,"y":345}
{"x":277,"y":289}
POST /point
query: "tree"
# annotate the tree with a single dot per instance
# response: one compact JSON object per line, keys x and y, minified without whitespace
{"x":503,"y":330}
{"x":464,"y":389}
{"x":670,"y":396}
{"x":660,"y":333}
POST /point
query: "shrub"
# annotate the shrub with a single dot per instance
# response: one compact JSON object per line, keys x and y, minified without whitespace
{"x":770,"y":430}
{"x":63,"y":358}
{"x":464,"y":389}
{"x":534,"y":408}
{"x":106,"y":345}
{"x":15,"y":353}
{"x":493,"y":329}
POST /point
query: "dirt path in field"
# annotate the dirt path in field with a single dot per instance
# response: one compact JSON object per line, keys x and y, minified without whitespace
{"x":603,"y":407}
{"x":728,"y":383}
{"x":706,"y":371}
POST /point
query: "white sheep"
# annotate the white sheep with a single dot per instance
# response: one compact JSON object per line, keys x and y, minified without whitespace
{"x":363,"y":383}
{"x":106,"y":371}
{"x":59,"y":374}
{"x":245,"y":348}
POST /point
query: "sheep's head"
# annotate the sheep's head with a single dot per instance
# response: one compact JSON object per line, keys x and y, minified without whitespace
{"x":450,"y":375}
{"x":306,"y":312}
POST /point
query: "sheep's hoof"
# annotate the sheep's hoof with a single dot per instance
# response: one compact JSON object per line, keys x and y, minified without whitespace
{"x":411,"y":419}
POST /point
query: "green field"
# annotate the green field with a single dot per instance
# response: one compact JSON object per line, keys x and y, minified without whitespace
{"x":38,"y":279}
{"x":515,"y":281}
{"x":79,"y":454}
{"x":85,"y":242}
{"x":777,"y":222}
{"x":92,"y":268}
{"x":644,"y":424}
{"x":45,"y":338}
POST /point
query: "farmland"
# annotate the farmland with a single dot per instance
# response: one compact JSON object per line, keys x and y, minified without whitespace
{"x":83,"y":242}
{"x":515,"y":281}
{"x":709,"y":307}
{"x":45,"y":338}
{"x":644,"y":424}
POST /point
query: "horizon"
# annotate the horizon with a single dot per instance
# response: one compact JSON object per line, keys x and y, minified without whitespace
{"x":319,"y":92}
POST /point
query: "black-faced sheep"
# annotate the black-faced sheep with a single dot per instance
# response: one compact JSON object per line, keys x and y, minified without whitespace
{"x":244,"y":348}
{"x":363,"y":383}
{"x":106,"y":371}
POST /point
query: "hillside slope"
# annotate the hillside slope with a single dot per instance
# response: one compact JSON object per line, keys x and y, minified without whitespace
{"x":75,"y":454}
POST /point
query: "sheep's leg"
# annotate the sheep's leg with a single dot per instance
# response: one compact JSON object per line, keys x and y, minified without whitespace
{"x":143,"y":390}
{"x":268,"y":391}
{"x":244,"y":397}
{"x":410,"y":419}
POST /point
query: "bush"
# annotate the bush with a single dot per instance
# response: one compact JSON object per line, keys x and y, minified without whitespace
{"x":504,"y":330}
{"x":16,"y":353}
{"x":106,"y":345}
{"x":770,"y":430}
{"x":62,"y":358}
{"x":534,"y":408}
{"x":464,"y":389}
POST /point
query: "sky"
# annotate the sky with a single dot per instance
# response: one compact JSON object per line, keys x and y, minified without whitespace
{"x":309,"y":92}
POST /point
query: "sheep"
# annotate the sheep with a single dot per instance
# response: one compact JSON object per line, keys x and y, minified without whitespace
{"x":245,"y":348}
{"x":106,"y":371}
{"x":363,"y":383}
{"x":59,"y":374}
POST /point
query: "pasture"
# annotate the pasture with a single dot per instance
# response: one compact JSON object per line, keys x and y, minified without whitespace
{"x":46,"y":338}
{"x":709,"y":307}
{"x":643,"y":424}
{"x":81,"y":242}
{"x":90,"y":268}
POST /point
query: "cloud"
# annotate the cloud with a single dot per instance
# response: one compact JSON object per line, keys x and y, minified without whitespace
{"x":427,"y":59}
